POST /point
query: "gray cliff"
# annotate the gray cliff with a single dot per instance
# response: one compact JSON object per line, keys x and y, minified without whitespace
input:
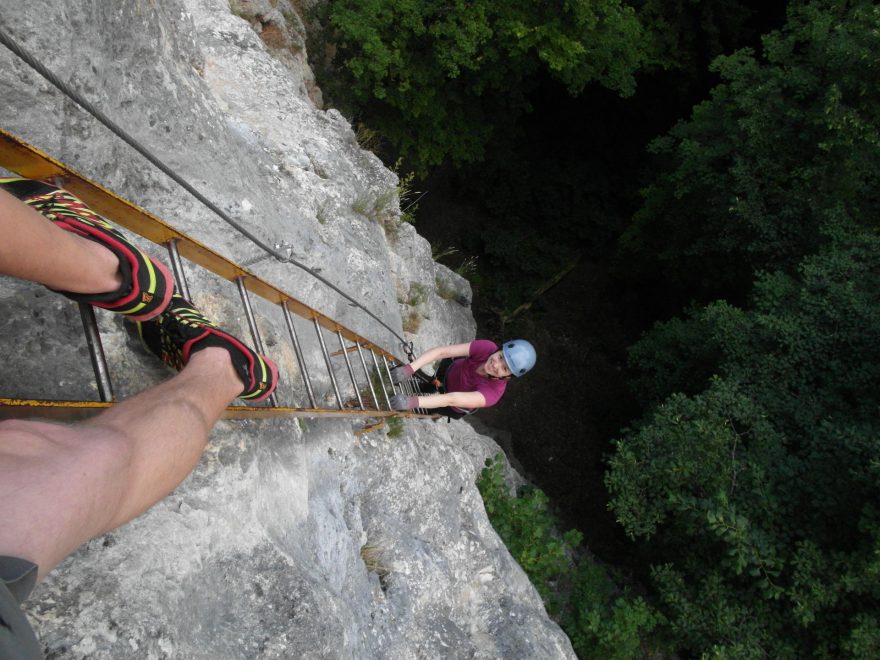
{"x":292,"y":539}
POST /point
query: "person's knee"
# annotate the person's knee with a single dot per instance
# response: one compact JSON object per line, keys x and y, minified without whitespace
{"x":31,"y":439}
{"x":60,"y":486}
{"x":72,"y":441}
{"x":91,"y":463}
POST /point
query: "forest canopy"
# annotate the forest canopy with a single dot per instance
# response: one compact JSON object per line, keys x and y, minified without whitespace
{"x":754,"y":476}
{"x":781,"y":157}
{"x":438,"y":79}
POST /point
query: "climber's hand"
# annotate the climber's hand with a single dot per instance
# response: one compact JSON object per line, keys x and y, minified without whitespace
{"x":404,"y":402}
{"x":401,"y":373}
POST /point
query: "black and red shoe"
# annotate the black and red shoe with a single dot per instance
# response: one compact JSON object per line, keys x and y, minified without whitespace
{"x":147,"y":285}
{"x":182,"y":330}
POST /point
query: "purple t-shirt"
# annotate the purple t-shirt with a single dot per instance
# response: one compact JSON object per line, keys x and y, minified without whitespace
{"x":462,"y":375}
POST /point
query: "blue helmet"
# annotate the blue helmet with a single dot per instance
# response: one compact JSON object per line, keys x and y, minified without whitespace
{"x":520,"y":356}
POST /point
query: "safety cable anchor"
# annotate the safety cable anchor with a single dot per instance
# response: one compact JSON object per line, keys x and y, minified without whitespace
{"x":408,"y":349}
{"x":283,"y":248}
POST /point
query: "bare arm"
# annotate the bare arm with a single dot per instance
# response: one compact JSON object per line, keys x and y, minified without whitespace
{"x":438,"y":353}
{"x":457,"y":399}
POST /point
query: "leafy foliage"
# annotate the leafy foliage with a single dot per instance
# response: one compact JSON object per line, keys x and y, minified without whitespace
{"x":601,"y":621}
{"x":604,"y":624}
{"x":759,"y":493}
{"x":680,"y":32}
{"x":528,"y":529}
{"x":786,"y":149}
{"x":756,"y":471}
{"x":438,"y":78}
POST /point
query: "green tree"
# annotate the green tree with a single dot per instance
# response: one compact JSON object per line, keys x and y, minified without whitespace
{"x":684,"y":35}
{"x":437,"y":79}
{"x":602,"y":621}
{"x":759,"y":493}
{"x":786,"y":148}
{"x":756,"y":471}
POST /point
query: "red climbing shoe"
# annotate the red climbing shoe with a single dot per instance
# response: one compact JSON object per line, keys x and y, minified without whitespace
{"x":182,"y":330}
{"x":147,"y":285}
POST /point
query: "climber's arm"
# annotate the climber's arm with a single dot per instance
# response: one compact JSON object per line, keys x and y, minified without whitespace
{"x":455,"y":399}
{"x":439,"y":353}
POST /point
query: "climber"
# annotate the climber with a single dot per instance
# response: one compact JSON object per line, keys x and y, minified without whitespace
{"x":62,"y":485}
{"x":469,"y":377}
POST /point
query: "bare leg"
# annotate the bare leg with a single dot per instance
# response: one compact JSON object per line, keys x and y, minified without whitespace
{"x":62,"y":485}
{"x":35,"y":249}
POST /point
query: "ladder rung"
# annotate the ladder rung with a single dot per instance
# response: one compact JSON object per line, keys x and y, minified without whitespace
{"x":367,"y":376}
{"x":381,"y":380}
{"x":177,"y":268}
{"x":96,"y":351}
{"x":328,"y":363}
{"x":357,"y":391}
{"x":299,"y":354}
{"x":388,"y":372}
{"x":255,"y":331}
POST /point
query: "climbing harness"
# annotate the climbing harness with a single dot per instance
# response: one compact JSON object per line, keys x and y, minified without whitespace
{"x":436,"y":384}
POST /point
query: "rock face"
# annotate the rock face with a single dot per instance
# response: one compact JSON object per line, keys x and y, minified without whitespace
{"x":293,"y":539}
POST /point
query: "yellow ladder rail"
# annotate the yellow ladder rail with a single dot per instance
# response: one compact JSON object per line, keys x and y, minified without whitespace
{"x":74,"y":410}
{"x":25,"y":160}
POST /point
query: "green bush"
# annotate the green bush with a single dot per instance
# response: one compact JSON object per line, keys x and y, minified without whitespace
{"x":601,"y":621}
{"x":395,"y":427}
{"x":604,"y":627}
{"x":528,"y":529}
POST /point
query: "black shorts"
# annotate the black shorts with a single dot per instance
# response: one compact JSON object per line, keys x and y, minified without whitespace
{"x":17,"y":639}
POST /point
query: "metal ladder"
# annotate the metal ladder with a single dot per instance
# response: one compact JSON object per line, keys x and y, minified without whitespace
{"x":27,"y":161}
